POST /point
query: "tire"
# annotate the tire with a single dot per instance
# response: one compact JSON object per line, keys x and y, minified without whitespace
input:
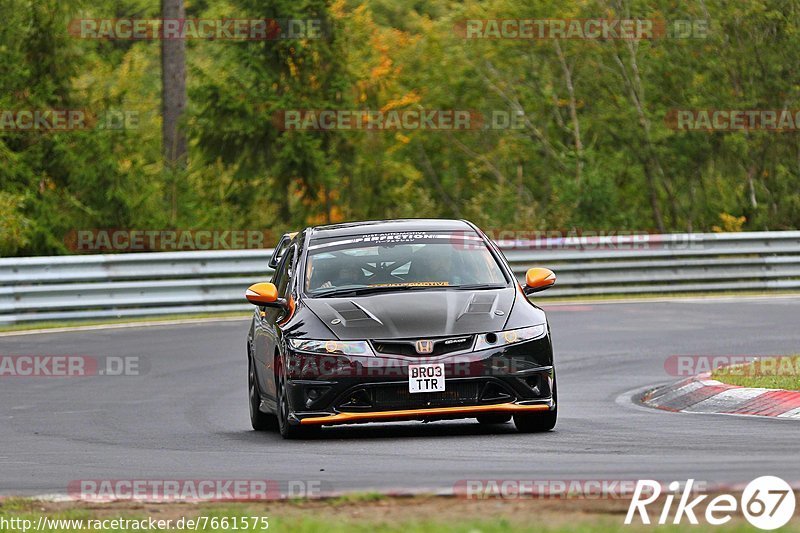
{"x":490,"y":419}
{"x":536,"y":423}
{"x":259,"y":420}
{"x":287,"y":430}
{"x":539,"y":422}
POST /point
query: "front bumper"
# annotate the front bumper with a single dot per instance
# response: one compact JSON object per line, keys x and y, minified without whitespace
{"x":353,"y":389}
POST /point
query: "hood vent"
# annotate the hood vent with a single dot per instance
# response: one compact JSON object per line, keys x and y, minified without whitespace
{"x":351,"y":313}
{"x":480,"y":304}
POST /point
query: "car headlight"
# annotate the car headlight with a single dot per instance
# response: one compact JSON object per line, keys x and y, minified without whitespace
{"x":510,"y":336}
{"x":332,"y":347}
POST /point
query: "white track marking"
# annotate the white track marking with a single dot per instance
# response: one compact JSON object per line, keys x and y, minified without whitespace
{"x":728,"y":400}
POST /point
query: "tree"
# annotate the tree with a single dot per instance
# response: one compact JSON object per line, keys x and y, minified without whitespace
{"x":173,"y":81}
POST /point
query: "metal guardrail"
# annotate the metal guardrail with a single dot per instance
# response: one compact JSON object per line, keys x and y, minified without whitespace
{"x":147,"y":284}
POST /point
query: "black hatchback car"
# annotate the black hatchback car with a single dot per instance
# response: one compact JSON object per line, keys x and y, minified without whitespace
{"x":397,"y":320}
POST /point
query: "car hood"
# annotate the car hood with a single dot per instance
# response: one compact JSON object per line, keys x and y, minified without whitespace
{"x":414,"y":314}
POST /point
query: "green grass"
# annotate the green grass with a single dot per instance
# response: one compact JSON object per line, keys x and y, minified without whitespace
{"x":16,"y":504}
{"x":99,"y":322}
{"x":363,"y":513}
{"x":358,"y":497}
{"x":768,"y":373}
{"x":492,"y":526}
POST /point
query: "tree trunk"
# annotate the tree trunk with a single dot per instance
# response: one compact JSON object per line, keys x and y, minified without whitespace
{"x":173,"y":88}
{"x":573,"y":114}
{"x":636,"y":94}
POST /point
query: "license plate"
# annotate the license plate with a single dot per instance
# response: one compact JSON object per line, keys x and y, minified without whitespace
{"x":426,"y":378}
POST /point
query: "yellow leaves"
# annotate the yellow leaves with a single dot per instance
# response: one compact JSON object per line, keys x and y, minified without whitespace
{"x":384,"y":43}
{"x":405,"y":100}
{"x":338,"y":9}
{"x":730,"y":223}
{"x":375,"y":58}
{"x":362,"y":15}
{"x":401,"y":38}
{"x":333,"y":216}
{"x":298,"y":189}
{"x":326,"y":201}
{"x":569,"y":11}
{"x":384,"y":68}
{"x":564,"y":102}
{"x":336,"y":214}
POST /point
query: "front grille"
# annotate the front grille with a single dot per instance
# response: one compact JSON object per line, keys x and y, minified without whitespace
{"x":398,"y":397}
{"x":408,"y":347}
{"x":393,"y":396}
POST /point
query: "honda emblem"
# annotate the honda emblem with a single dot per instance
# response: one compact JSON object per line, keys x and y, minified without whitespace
{"x":424,"y":346}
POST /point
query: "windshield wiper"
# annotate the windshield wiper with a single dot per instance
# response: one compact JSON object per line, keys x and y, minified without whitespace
{"x":356,"y":291}
{"x":476,"y":287}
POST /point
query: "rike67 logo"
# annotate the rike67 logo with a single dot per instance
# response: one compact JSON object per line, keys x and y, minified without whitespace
{"x":767,"y":502}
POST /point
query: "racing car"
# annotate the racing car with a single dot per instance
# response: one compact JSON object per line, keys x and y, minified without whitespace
{"x":397,"y":320}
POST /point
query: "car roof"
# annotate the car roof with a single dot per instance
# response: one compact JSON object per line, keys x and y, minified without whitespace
{"x":388,"y":226}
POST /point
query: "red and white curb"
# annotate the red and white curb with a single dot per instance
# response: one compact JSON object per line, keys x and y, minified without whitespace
{"x":700,"y":394}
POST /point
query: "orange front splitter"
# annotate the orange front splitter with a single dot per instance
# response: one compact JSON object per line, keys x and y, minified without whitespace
{"x":407,"y":414}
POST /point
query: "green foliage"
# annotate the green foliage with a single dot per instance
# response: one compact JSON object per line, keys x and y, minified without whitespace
{"x":13,"y":224}
{"x":594,"y":150}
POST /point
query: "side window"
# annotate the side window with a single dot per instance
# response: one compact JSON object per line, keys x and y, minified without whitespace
{"x":280,"y":271}
{"x":277,"y":274}
{"x":286,"y":271}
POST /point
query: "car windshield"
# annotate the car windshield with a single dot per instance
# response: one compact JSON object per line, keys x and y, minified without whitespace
{"x":401,"y":261}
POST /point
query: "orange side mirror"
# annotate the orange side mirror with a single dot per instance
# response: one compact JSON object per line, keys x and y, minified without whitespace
{"x":539,"y":279}
{"x":262,"y":294}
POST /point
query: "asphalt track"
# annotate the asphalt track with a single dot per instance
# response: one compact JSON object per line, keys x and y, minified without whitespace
{"x":186,"y":417}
